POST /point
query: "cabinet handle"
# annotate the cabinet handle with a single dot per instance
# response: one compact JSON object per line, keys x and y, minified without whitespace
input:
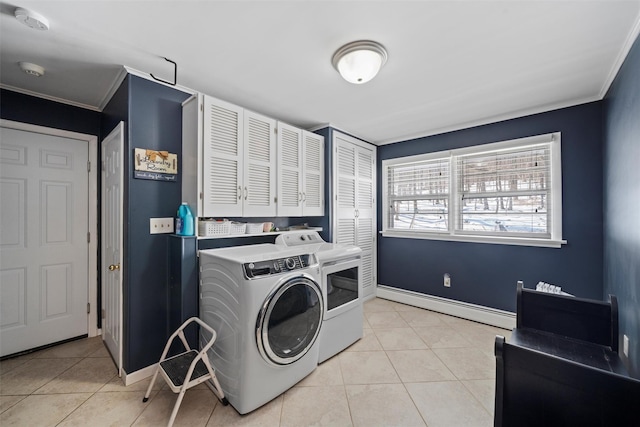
{"x":300,"y":196}
{"x":246,"y":193}
{"x":239,"y":192}
{"x":304,"y":197}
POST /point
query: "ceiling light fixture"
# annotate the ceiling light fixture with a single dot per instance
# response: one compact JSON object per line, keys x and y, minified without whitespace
{"x":359,"y":61}
{"x":32,"y":19}
{"x":31,"y":69}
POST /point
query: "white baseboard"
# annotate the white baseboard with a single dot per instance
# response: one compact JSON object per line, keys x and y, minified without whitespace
{"x":477,"y":313}
{"x":138,"y":375}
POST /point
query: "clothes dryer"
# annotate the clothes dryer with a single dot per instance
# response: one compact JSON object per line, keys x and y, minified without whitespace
{"x":341,"y":281}
{"x":266,"y":305}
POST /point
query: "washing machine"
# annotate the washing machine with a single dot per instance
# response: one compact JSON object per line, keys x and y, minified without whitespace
{"x":341,"y":283}
{"x":266,"y":305}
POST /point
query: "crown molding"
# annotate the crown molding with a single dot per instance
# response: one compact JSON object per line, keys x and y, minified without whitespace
{"x":49,"y":97}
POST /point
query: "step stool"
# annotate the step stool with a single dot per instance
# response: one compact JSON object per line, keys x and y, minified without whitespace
{"x":187,"y":369}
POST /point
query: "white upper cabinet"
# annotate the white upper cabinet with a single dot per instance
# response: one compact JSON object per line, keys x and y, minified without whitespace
{"x":300,"y":172}
{"x":233,"y":158}
{"x":313,"y":174}
{"x":222,"y":158}
{"x":259,"y":168}
{"x":236,"y":159}
{"x":289,"y":149}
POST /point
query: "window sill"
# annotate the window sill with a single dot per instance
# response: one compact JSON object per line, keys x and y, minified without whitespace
{"x":518,"y":241}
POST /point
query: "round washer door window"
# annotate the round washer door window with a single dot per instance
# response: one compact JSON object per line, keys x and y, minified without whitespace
{"x":289,"y":321}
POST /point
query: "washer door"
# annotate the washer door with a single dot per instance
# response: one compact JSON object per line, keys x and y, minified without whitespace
{"x":289,"y":321}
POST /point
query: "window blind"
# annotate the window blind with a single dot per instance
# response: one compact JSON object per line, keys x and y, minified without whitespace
{"x":418,"y":194}
{"x":505,"y":191}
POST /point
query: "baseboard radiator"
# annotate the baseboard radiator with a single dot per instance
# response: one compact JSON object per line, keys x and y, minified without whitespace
{"x":477,"y":313}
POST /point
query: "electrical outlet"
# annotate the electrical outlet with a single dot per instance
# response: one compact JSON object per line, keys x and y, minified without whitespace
{"x":160,"y":225}
{"x":447,"y":280}
{"x":625,"y":345}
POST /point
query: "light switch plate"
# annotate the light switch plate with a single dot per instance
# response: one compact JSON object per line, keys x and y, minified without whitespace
{"x":160,"y":225}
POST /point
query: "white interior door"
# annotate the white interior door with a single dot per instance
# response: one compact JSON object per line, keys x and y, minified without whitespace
{"x":44,"y":251}
{"x":112,"y":181}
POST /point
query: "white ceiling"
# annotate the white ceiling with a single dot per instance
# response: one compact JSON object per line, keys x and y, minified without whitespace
{"x":452,"y":64}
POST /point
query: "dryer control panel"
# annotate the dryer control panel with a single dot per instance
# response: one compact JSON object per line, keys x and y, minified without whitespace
{"x":298,"y":238}
{"x":270,"y":267}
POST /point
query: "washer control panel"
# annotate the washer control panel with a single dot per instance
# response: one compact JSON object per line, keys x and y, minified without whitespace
{"x":276,"y":266}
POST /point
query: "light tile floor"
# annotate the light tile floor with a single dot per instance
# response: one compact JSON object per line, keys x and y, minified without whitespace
{"x":413,"y":367}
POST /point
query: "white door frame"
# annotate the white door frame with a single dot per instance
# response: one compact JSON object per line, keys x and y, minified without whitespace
{"x":92,"y":278}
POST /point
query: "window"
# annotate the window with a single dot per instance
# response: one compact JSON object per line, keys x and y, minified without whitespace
{"x":507,"y":192}
{"x":418,"y":195}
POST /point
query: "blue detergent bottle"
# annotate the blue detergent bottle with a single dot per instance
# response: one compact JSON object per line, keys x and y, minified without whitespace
{"x":185,"y":221}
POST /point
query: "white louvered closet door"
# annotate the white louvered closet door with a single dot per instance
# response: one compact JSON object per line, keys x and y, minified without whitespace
{"x":365,"y":215}
{"x":222,"y":159}
{"x":354,"y":208}
{"x":259,"y":165}
{"x":345,"y":181}
{"x":289,"y":170}
{"x":313,"y":185}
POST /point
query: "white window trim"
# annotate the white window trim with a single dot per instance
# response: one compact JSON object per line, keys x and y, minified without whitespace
{"x":555,"y":241}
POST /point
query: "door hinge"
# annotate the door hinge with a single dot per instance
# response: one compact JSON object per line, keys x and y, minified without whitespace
{"x":202,"y":107}
{"x":104,"y":313}
{"x":88,"y":307}
{"x":88,"y":237}
{"x":88,"y":166}
{"x":201,"y":195}
{"x":104,"y":165}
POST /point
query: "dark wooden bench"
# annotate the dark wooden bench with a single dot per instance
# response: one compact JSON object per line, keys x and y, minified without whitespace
{"x":561,"y":365}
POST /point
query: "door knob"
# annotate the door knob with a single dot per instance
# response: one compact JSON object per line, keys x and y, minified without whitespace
{"x":114,"y":267}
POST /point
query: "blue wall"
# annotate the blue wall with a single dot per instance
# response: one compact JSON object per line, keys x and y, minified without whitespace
{"x":622,"y":200}
{"x":154,"y":122}
{"x":37,"y":111}
{"x":486,"y":274}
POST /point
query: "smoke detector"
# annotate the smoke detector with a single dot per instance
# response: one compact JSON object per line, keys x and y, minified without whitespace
{"x":32,"y":19}
{"x":31,"y":69}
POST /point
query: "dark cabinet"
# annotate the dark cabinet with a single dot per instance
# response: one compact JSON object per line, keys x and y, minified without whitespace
{"x":561,"y":365}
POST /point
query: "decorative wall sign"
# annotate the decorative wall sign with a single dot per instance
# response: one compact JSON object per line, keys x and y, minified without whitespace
{"x":155,"y":165}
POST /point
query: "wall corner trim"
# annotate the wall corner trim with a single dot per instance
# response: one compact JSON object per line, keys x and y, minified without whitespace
{"x":476,"y":313}
{"x":138,"y":375}
{"x":113,"y":88}
{"x":622,"y":55}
